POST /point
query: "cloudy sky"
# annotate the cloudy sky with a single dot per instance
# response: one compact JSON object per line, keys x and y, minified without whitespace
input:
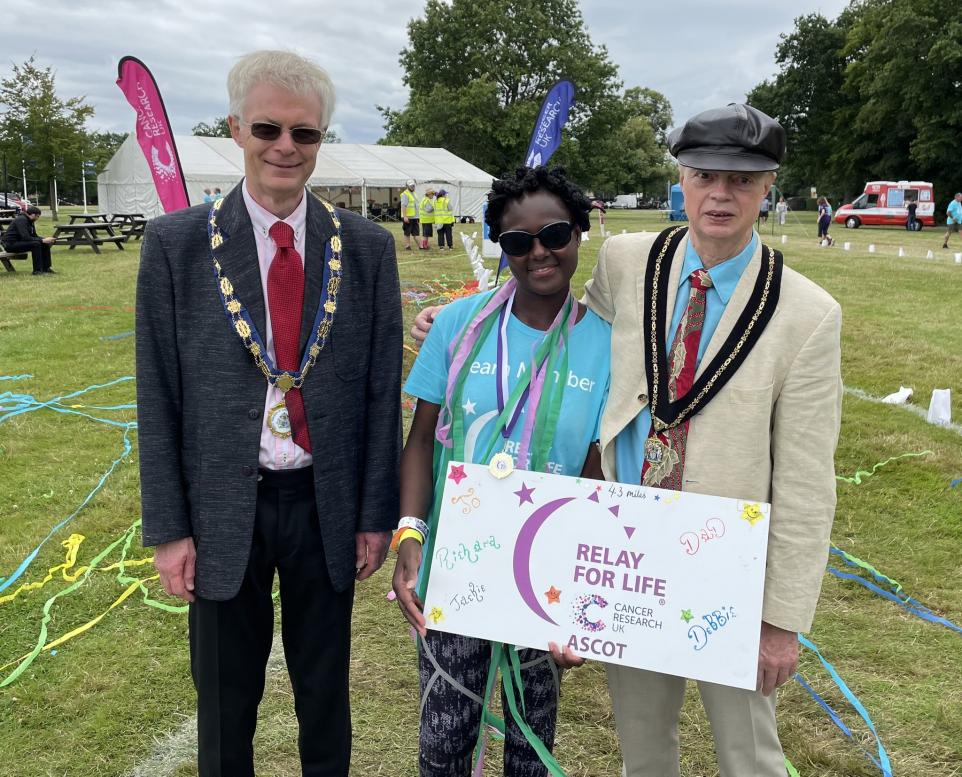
{"x":699,"y":53}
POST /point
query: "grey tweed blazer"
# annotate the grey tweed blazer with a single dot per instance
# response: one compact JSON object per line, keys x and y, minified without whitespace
{"x":200,"y":398}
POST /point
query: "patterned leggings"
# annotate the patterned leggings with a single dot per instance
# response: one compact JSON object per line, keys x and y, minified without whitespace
{"x":453,"y":672}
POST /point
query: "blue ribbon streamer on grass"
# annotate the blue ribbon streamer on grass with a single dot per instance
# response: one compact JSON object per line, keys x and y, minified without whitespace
{"x":882,"y":761}
{"x":15,"y":377}
{"x":26,"y":404}
{"x":907,"y":603}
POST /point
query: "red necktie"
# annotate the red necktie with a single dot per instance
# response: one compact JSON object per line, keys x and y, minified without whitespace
{"x":285,"y":299}
{"x":682,"y":362}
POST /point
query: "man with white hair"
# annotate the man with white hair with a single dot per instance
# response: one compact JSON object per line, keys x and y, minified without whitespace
{"x":268,"y":389}
{"x":725,"y":381}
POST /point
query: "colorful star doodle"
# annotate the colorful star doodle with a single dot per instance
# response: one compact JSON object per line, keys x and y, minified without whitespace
{"x":524,"y":494}
{"x":554,"y":595}
{"x":457,"y":474}
{"x":752,"y":513}
{"x":686,"y":616}
{"x":436,"y":615}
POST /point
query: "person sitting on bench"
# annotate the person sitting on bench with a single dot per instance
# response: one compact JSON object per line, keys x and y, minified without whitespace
{"x":21,"y":237}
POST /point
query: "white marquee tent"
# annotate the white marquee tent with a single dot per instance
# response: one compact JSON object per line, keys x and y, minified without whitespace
{"x":350,"y":175}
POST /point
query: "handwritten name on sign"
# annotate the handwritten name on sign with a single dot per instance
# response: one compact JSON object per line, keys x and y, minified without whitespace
{"x":656,"y":579}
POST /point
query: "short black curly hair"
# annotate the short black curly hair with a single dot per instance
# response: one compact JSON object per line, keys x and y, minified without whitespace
{"x":526,"y":180}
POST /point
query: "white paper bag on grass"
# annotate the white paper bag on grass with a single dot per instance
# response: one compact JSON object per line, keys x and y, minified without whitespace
{"x":940,"y":407}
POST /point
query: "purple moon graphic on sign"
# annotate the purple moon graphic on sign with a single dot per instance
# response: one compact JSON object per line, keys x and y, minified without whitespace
{"x":522,"y":555}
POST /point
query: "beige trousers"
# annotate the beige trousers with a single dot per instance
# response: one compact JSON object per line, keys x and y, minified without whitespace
{"x":647,"y":706}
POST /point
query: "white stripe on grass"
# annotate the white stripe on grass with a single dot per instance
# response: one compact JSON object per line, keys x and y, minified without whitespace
{"x":180,"y":746}
{"x":921,"y":412}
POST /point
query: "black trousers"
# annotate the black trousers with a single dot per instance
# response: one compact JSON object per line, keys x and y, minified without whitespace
{"x":444,"y":233}
{"x":39,"y":250}
{"x":230,"y":641}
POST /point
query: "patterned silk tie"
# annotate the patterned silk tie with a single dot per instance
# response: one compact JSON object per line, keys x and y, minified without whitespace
{"x":285,"y":299}
{"x":665,"y":451}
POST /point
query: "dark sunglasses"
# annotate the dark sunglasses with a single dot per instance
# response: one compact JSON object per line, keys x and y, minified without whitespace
{"x":553,"y":236}
{"x":303,"y":136}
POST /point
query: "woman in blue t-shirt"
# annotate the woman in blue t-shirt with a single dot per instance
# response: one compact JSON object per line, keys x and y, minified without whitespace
{"x":473,"y":379}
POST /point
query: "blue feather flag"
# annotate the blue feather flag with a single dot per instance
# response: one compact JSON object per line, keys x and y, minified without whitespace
{"x":546,"y":135}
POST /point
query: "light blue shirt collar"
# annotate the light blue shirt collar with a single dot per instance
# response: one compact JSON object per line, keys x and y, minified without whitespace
{"x":724,"y":276}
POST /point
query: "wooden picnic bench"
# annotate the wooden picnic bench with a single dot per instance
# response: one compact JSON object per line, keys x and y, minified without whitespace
{"x":76,"y":218}
{"x":131,"y":225}
{"x":88,"y":233}
{"x":5,"y":258}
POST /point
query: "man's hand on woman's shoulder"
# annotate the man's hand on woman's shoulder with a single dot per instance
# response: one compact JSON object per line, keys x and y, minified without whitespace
{"x":423,"y":322}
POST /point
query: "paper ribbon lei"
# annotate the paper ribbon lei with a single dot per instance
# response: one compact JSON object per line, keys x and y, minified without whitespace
{"x":243,"y":324}
{"x":749,"y":327}
{"x":551,"y":355}
{"x":540,"y":426}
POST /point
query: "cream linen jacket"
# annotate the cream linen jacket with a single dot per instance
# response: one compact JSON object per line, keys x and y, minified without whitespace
{"x":768,"y":435}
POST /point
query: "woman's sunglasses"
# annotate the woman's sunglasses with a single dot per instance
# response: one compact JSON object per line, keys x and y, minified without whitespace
{"x":303,"y":136}
{"x":517,"y":242}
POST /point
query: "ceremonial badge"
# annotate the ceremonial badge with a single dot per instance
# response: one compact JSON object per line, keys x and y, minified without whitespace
{"x":278,"y":420}
{"x":501,"y":465}
{"x":662,"y":459}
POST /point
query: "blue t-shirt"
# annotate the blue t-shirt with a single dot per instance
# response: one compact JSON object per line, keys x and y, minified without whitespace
{"x":586,"y":384}
{"x":954,"y":212}
{"x":630,"y":443}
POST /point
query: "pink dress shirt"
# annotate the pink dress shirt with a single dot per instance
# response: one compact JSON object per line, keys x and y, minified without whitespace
{"x":275,"y":452}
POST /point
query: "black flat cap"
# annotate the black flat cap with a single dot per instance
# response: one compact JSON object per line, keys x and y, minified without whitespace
{"x":736,"y":137}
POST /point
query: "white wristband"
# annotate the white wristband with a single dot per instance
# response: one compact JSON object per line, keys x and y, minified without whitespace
{"x":410,"y":522}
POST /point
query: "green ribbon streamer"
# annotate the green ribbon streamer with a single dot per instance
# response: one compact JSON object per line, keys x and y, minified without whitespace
{"x":895,"y":584}
{"x":42,"y":637}
{"x":125,"y":579}
{"x":510,"y":668}
{"x":857,"y":478}
{"x":792,"y":771}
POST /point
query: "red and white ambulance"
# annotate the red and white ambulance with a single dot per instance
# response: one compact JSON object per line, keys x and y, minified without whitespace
{"x":883,"y":203}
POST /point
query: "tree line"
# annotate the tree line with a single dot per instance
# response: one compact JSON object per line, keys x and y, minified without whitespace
{"x":872,"y":95}
{"x":478,"y":72}
{"x":44,"y":138}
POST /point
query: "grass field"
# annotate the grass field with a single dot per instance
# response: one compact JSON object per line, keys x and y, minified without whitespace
{"x":117,"y":699}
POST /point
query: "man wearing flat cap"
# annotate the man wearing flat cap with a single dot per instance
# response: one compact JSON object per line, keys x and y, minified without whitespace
{"x":756,"y":347}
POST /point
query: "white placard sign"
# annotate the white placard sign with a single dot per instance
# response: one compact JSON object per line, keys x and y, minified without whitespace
{"x":650,"y":578}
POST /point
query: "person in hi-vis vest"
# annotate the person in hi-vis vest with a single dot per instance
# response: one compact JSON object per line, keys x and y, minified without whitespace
{"x":409,"y":213}
{"x":444,"y":219}
{"x":426,"y":208}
